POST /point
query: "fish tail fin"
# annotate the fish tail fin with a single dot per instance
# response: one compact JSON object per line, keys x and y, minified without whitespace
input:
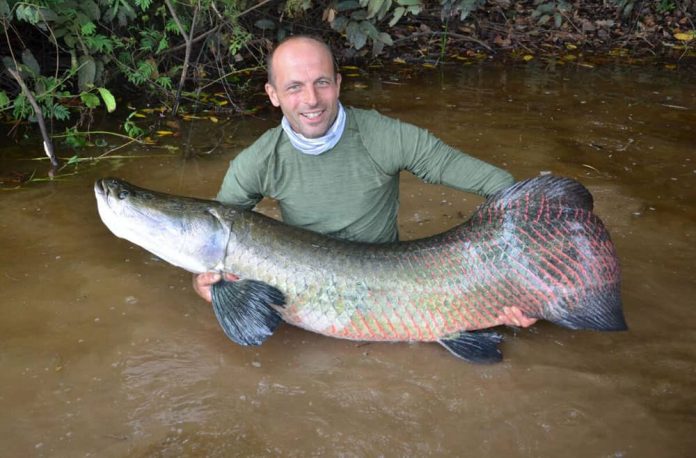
{"x":600,"y":311}
{"x":555,"y":190}
{"x":476,"y":347}
{"x":244,"y":310}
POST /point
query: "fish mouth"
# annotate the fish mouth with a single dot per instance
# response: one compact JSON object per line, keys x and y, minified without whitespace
{"x":105,"y":187}
{"x":100,"y":187}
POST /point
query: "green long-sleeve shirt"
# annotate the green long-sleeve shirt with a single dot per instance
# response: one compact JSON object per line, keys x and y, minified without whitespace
{"x":352,"y":191}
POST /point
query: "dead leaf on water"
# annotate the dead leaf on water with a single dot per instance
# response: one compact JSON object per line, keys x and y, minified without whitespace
{"x":164,"y":133}
{"x":399,"y":60}
{"x":214,"y":119}
{"x":527,"y":57}
{"x":684,"y":36}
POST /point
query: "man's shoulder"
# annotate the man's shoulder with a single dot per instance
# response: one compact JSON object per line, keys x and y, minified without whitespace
{"x":263,"y":146}
{"x":371,"y":120}
{"x":270,"y":137}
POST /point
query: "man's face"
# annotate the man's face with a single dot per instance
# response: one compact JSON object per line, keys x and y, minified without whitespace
{"x":304,"y":86}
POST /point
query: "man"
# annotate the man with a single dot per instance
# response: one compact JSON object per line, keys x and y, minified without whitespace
{"x":335,"y":170}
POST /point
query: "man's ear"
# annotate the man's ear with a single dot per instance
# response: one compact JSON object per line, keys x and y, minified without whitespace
{"x":272,"y":94}
{"x":338,"y":84}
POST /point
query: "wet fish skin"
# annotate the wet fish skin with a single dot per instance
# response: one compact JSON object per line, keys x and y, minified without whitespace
{"x":536,"y":246}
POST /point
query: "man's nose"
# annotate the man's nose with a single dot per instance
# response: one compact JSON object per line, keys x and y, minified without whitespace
{"x":310,"y":95}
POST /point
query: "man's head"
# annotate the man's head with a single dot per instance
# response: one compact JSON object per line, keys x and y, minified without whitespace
{"x":303,"y":82}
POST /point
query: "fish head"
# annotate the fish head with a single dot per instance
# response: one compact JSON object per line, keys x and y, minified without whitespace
{"x":186,"y":232}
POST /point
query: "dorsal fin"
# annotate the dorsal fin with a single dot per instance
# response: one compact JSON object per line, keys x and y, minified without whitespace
{"x":555,"y":190}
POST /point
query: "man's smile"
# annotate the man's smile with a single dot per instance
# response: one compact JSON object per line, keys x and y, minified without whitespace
{"x":313,"y":114}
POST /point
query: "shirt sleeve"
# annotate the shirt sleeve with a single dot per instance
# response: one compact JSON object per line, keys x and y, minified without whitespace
{"x":244,"y":183}
{"x":402,"y":146}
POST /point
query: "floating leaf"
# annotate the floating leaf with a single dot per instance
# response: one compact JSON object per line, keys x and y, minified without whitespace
{"x":527,"y":57}
{"x":684,"y":36}
{"x":214,"y":119}
{"x":570,"y":46}
{"x":139,"y":115}
{"x":164,"y":133}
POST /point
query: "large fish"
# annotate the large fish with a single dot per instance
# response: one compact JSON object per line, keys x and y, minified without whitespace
{"x":536,"y":245}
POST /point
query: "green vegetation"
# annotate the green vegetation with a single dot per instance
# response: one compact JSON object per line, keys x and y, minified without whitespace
{"x":65,"y":59}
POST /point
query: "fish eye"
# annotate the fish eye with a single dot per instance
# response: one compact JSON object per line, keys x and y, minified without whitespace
{"x":122,"y":194}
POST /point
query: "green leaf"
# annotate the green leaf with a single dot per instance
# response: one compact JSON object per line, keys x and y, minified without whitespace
{"x":339,"y":24}
{"x":347,"y":5}
{"x":30,"y":61}
{"x":86,"y":73}
{"x":373,"y":7}
{"x":88,"y":28}
{"x":99,"y":43}
{"x":108,"y":98}
{"x":143,"y":4}
{"x":356,"y":37}
{"x":163,"y":44}
{"x":386,"y":39}
{"x":398,"y":13}
{"x":370,"y":29}
{"x":164,"y":81}
{"x":265,"y":24}
{"x":60,"y":112}
{"x":91,"y":9}
{"x":4,"y":8}
{"x":90,"y":100}
{"x":4,"y":100}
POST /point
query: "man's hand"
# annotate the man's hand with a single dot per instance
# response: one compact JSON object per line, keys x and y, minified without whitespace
{"x":512,"y":316}
{"x":203,"y":282}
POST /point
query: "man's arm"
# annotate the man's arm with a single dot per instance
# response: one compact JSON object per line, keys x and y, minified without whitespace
{"x":243,"y":185}
{"x":396,"y":146}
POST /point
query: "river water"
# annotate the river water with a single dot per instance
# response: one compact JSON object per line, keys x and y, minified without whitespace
{"x":106,"y":351}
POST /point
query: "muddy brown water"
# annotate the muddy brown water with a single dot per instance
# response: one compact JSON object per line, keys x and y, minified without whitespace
{"x":106,"y":351}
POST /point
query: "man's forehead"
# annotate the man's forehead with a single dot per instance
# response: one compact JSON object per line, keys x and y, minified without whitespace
{"x":301,"y":52}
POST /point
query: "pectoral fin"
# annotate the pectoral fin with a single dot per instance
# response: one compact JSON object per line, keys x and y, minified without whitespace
{"x":475,"y":347}
{"x":243,"y":309}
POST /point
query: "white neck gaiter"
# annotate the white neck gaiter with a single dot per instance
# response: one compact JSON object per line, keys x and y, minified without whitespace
{"x":316,"y":146}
